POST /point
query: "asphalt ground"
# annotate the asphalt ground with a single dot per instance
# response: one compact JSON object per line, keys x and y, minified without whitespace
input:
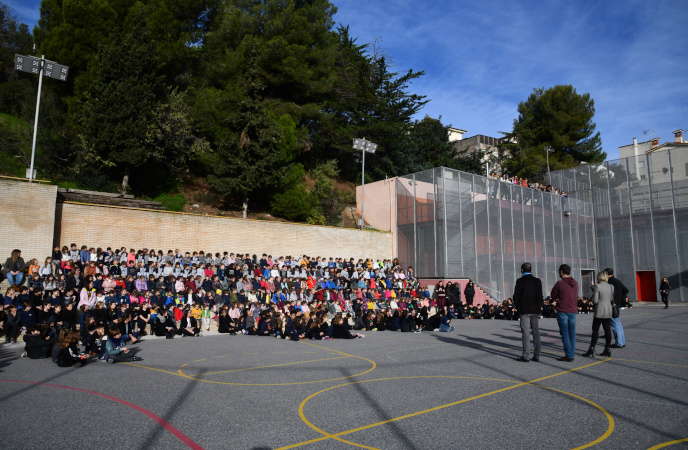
{"x":462,"y":389}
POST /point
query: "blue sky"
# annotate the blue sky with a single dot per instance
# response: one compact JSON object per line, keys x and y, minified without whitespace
{"x":482,"y":58}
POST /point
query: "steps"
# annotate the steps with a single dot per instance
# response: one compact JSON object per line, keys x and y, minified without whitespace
{"x":480,"y":295}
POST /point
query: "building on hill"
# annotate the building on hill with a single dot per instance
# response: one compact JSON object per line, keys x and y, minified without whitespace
{"x":679,"y":154}
{"x":491,"y":148}
{"x":456,"y":134}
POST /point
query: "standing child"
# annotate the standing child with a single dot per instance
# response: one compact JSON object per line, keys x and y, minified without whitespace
{"x":206,"y":317}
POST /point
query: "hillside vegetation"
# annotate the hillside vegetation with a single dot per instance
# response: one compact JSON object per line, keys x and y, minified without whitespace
{"x":256,"y":101}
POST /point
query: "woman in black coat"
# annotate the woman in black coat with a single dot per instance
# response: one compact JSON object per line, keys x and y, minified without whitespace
{"x":339,"y":332}
{"x":664,"y":289}
{"x":469,"y":293}
{"x":225,"y":322}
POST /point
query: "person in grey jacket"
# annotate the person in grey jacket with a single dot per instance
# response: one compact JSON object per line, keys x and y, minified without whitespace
{"x":602,"y":296}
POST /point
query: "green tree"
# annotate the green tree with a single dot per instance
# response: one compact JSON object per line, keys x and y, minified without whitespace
{"x":72,"y":32}
{"x":129,"y":118}
{"x":558,"y":117}
{"x":17,"y":90}
{"x":372,"y":101}
{"x":331,"y":205}
{"x":430,"y":140}
{"x":249,"y":159}
{"x":266,"y":68}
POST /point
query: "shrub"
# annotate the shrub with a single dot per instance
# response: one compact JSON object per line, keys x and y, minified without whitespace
{"x":173,"y":202}
{"x":296,"y":204}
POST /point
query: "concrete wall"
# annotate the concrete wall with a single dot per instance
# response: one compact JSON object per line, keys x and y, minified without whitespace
{"x":27,"y":218}
{"x":103,"y":226}
{"x":380,"y":206}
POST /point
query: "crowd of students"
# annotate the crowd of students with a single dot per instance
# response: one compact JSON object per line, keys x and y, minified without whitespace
{"x":110,"y":298}
{"x":525,"y":183}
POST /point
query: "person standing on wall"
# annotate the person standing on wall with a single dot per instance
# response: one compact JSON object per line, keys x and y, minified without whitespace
{"x":664,"y":288}
{"x":620,"y":294}
{"x":441,"y":293}
{"x":528,"y":300}
{"x":469,"y":293}
{"x":565,"y":292}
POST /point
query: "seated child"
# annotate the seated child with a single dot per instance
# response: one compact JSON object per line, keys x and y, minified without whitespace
{"x":115,"y":351}
{"x":69,"y":355}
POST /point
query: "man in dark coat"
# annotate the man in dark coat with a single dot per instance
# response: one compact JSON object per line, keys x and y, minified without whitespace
{"x":620,"y":294}
{"x":528,"y":300}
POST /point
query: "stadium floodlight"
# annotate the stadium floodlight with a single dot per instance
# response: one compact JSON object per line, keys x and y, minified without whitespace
{"x":369,"y":147}
{"x":41,"y":67}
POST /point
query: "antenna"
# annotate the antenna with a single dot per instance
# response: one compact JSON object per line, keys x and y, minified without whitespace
{"x":645,"y":135}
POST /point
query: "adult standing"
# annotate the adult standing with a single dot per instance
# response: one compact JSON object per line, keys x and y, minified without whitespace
{"x":602,"y":296}
{"x":528,"y":300}
{"x":441,"y":293}
{"x":469,"y":293}
{"x":664,"y":288}
{"x":565,"y":292}
{"x":14,"y":268}
{"x":620,"y":294}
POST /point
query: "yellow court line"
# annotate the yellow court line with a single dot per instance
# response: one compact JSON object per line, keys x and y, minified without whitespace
{"x":609,"y":417}
{"x":150,"y":368}
{"x":406,"y":416}
{"x":199,"y":360}
{"x":666,"y":444}
{"x":179,"y":373}
{"x":273,"y":365}
{"x":184,"y":365}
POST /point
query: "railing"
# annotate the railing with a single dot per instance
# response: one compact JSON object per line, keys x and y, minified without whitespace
{"x":487,"y":291}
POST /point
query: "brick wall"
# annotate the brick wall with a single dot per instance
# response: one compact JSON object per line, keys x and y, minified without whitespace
{"x":27,"y":218}
{"x":102,"y":226}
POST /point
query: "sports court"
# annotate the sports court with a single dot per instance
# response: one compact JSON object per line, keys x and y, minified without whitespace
{"x":391,"y":390}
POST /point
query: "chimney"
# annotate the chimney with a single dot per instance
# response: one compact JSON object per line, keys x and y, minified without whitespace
{"x":635,"y":141}
{"x":678,"y":136}
{"x":655,"y":142}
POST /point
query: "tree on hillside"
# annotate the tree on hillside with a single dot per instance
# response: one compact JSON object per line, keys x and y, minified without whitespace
{"x":266,"y":68}
{"x":17,"y":90}
{"x":73,"y":32}
{"x":558,"y":117}
{"x":430,"y":138}
{"x":368,"y":100}
{"x":128,"y":117}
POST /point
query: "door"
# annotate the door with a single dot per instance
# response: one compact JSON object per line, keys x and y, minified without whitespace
{"x":646,"y":286}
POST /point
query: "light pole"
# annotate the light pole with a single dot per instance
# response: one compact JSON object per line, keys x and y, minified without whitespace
{"x":549,"y":150}
{"x":42,"y":67}
{"x":364,"y":146}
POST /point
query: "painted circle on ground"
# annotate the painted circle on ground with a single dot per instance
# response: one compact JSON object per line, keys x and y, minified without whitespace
{"x":514,"y":384}
{"x":332,"y":355}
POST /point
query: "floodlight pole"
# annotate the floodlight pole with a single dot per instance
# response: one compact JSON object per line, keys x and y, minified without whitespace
{"x":548,"y":149}
{"x":364,"y":146}
{"x":363,"y":150}
{"x":35,"y":122}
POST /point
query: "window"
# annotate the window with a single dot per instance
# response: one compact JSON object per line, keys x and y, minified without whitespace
{"x":641,"y":163}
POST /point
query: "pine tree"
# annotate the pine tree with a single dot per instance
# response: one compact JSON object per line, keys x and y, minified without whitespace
{"x":558,"y":117}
